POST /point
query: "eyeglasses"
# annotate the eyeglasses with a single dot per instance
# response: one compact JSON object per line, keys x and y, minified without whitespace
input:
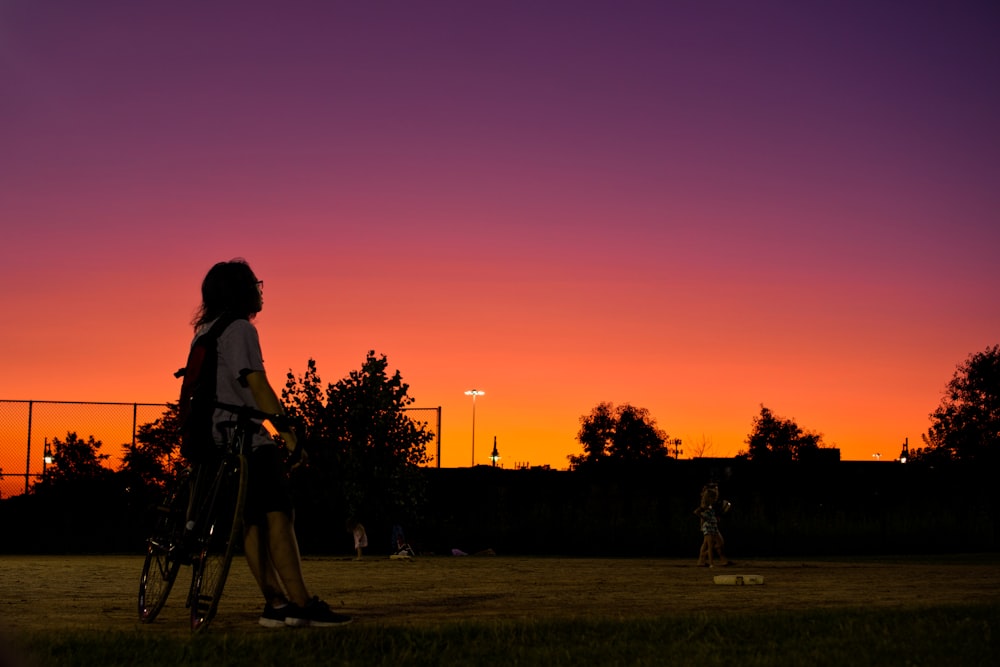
{"x":260,"y":286}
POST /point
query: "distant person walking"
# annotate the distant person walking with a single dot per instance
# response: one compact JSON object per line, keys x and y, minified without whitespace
{"x":232,"y":290}
{"x":712,"y":541}
{"x":360,"y":537}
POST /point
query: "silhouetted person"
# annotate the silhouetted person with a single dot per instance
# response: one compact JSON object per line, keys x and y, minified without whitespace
{"x":360,"y":537}
{"x":272,"y":551}
{"x":712,"y":541}
{"x":400,"y":548}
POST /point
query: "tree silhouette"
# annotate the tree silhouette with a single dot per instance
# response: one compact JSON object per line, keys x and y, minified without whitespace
{"x":623,"y":434}
{"x":774,"y":438}
{"x":596,"y":432}
{"x":966,"y":425}
{"x":74,"y":461}
{"x":154,"y":457}
{"x":700,"y":449}
{"x":364,"y":450}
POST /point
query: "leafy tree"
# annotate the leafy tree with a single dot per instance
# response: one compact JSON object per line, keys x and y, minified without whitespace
{"x":623,"y":434}
{"x":364,"y":450}
{"x":154,"y":457}
{"x":74,"y":461}
{"x":304,"y":399}
{"x":596,"y":432}
{"x":774,"y":438}
{"x":966,"y":425}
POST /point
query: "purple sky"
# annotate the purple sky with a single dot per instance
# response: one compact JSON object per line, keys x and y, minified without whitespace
{"x":695,"y":207}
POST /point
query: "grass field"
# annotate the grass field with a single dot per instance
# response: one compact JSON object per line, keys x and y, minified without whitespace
{"x":526,"y":611}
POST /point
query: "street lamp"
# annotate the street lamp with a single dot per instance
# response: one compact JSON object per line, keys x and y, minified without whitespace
{"x":473,"y":393}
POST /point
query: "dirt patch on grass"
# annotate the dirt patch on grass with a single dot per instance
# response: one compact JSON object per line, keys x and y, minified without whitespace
{"x":99,"y":592}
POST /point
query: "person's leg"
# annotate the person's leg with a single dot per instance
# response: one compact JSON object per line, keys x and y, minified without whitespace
{"x":269,"y":538}
{"x":283,"y":548}
{"x":260,"y":565}
{"x":273,"y":549}
{"x":718,"y":543}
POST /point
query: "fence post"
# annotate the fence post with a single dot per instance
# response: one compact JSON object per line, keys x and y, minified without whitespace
{"x":27,"y":462}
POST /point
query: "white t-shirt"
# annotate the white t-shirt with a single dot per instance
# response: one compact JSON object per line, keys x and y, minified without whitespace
{"x":239,"y":354}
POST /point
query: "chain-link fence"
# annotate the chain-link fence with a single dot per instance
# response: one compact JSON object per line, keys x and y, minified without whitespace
{"x":424,"y":416}
{"x":28,"y":430}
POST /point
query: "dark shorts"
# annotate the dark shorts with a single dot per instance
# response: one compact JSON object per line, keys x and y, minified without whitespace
{"x":268,"y":489}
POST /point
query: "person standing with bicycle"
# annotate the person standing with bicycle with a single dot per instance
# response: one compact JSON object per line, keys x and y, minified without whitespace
{"x":231,"y":289}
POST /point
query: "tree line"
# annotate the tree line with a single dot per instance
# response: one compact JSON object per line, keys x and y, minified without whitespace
{"x":366,"y":454}
{"x":964,"y":427}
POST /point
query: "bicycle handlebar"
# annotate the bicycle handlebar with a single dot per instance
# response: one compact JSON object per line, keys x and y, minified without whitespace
{"x":244,"y":413}
{"x":247,"y":412}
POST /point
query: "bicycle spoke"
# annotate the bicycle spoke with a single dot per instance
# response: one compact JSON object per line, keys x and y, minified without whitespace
{"x":158,"y":574}
{"x":219,"y":533}
{"x":163,"y":553}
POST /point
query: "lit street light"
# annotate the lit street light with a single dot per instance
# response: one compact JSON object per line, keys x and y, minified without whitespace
{"x":473,"y":393}
{"x":495,"y":456}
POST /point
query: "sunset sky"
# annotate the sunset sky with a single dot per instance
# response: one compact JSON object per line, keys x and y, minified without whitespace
{"x":695,"y":207}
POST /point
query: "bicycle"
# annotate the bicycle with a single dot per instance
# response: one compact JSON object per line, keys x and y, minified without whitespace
{"x":199,"y":523}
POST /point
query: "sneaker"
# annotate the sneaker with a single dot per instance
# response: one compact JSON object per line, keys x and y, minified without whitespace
{"x":274,"y":617}
{"x":316,"y":614}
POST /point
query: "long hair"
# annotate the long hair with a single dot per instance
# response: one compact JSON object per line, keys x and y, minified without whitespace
{"x":231,"y":288}
{"x":709,"y":494}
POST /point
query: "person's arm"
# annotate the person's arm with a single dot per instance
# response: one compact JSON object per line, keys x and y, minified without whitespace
{"x":267,"y":401}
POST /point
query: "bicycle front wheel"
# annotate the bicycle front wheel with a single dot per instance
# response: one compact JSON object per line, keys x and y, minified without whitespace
{"x":220,"y":529}
{"x":164,"y":551}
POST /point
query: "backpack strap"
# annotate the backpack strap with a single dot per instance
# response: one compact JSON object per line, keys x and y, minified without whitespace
{"x":216,"y":330}
{"x":220,"y":325}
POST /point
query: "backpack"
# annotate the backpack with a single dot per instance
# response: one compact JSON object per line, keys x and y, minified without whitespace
{"x":196,"y":407}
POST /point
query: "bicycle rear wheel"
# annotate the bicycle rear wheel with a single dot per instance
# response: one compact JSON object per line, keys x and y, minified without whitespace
{"x":164,"y":550}
{"x":219,"y":529}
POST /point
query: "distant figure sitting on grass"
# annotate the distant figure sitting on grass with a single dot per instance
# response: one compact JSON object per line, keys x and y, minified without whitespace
{"x":400,"y":547}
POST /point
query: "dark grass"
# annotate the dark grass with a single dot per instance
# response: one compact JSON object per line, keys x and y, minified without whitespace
{"x":957,"y":635}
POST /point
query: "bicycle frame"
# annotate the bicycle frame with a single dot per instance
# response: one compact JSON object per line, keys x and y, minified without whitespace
{"x":212,"y":528}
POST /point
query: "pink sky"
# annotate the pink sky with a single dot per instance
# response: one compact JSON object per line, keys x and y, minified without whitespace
{"x":696,"y":208}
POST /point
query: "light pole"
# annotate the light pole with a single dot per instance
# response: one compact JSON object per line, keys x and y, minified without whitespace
{"x":473,"y":393}
{"x":677,"y":447}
